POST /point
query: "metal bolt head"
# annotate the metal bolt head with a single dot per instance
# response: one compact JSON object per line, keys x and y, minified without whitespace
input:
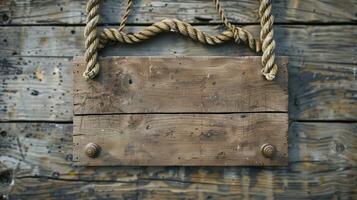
{"x":268,"y":150}
{"x":92,"y":150}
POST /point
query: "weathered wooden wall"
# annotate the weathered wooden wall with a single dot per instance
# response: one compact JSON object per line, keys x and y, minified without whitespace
{"x":38,"y":39}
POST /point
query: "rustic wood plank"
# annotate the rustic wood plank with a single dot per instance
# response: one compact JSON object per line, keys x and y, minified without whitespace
{"x":322,"y":87}
{"x":299,"y":42}
{"x":322,"y":74}
{"x":316,"y":90}
{"x":181,"y":140}
{"x":46,"y":149}
{"x":194,"y":11}
{"x":322,"y":160}
{"x":251,"y":185}
{"x":40,"y":86}
{"x":190,"y":84}
{"x":179,"y":84}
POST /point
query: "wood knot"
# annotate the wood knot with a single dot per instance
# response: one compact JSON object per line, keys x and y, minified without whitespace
{"x":6,"y":177}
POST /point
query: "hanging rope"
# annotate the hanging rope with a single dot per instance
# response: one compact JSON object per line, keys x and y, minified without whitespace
{"x":267,"y":37}
{"x":124,"y":18}
{"x":94,"y":41}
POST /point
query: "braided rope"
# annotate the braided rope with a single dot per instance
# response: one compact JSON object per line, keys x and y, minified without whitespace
{"x":91,"y":39}
{"x":94,"y":42}
{"x":167,"y":25}
{"x":239,"y":33}
{"x":125,"y":16}
{"x":267,"y":37}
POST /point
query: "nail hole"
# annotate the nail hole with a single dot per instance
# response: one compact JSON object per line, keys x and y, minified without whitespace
{"x":3,"y":133}
{"x":6,"y":177}
{"x":5,"y":17}
{"x":35,"y":92}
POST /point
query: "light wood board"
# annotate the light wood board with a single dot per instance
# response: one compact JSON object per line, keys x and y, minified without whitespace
{"x":176,"y":140}
{"x":180,"y":111}
{"x":178,"y":85}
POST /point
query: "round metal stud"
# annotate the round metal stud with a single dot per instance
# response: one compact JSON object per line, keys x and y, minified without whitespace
{"x":92,"y":150}
{"x":268,"y":150}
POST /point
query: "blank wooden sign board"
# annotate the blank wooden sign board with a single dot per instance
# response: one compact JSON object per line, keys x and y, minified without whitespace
{"x":180,"y":111}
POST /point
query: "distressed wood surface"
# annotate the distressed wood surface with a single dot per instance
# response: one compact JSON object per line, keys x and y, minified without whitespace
{"x":251,"y":185}
{"x":322,"y":164}
{"x":181,"y":140}
{"x":36,"y":84}
{"x":301,"y":43}
{"x":194,"y":11}
{"x":179,"y":85}
{"x":36,"y":67}
{"x":40,"y":86}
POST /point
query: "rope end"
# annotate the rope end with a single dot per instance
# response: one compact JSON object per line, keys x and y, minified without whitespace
{"x":92,"y":73}
{"x":272,"y":74}
{"x":85,"y":76}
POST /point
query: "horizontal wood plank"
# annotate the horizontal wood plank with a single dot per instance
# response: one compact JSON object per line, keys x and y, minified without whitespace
{"x":194,"y":11}
{"x":181,"y":140}
{"x":245,"y":185}
{"x":40,"y":86}
{"x":299,"y":42}
{"x":322,"y":74}
{"x":322,"y":157}
{"x":179,"y":85}
{"x":43,"y":149}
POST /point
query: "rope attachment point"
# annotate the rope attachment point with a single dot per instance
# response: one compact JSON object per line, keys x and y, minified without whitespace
{"x":95,"y":41}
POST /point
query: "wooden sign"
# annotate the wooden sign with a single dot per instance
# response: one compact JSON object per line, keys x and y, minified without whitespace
{"x":180,"y":111}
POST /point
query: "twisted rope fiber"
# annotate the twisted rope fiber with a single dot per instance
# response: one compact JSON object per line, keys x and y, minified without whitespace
{"x":94,"y":42}
{"x":124,"y":18}
{"x":238,"y":33}
{"x":267,"y":37}
{"x":91,"y":39}
{"x":173,"y":25}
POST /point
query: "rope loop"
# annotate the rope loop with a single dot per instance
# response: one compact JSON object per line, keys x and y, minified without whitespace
{"x":95,"y":41}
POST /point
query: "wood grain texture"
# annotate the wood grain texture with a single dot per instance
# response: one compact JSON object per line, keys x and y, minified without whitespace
{"x":251,"y":185}
{"x":194,"y":11}
{"x":322,"y":70}
{"x":181,"y":140}
{"x":322,"y":85}
{"x":41,"y":86}
{"x":322,"y":160}
{"x":300,"y":43}
{"x":179,"y":85}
